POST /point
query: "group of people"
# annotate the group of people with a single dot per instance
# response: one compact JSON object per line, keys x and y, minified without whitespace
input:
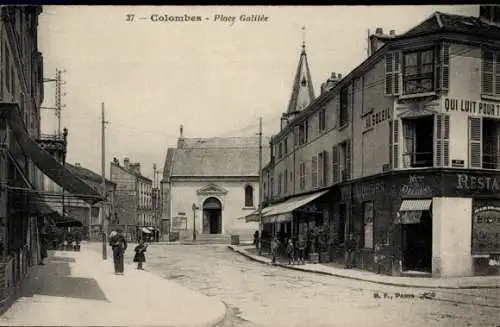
{"x":295,"y":249}
{"x":119,"y":245}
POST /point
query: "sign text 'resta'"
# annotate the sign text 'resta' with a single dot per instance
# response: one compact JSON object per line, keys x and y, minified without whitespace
{"x":472,"y":107}
{"x":373,"y":119}
{"x":477,"y":183}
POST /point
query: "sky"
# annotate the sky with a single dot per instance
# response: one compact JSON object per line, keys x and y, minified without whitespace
{"x":213,"y":77}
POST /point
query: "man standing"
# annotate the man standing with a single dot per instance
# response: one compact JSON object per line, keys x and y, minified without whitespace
{"x":118,"y":245}
{"x":350,"y":248}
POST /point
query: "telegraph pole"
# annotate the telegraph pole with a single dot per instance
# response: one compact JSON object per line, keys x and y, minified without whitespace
{"x":103,"y":172}
{"x":260,"y":186}
{"x":153,"y":193}
{"x":58,"y":98}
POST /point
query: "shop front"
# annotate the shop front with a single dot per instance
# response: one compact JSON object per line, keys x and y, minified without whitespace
{"x":434,"y":222}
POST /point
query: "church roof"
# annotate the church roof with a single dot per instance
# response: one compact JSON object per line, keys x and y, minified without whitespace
{"x":302,"y":89}
{"x":215,"y":157}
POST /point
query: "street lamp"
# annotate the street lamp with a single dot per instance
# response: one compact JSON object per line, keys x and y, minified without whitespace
{"x":194,"y":207}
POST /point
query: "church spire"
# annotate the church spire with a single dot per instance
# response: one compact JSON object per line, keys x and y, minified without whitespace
{"x":302,"y":90}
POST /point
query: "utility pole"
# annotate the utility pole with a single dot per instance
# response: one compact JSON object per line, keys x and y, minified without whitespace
{"x":103,"y":172}
{"x":58,"y":98}
{"x":260,"y":186}
{"x":154,"y":197}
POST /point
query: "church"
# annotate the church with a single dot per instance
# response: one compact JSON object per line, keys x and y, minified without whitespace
{"x":208,"y":185}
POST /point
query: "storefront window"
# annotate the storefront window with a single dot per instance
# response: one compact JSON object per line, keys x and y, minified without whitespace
{"x":485,"y":227}
{"x":368,"y":224}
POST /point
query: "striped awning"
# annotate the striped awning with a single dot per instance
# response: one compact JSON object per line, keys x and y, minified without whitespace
{"x":416,"y":205}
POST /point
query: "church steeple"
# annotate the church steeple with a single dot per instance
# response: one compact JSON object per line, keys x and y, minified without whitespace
{"x":302,"y":90}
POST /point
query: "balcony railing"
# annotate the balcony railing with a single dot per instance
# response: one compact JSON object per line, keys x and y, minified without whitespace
{"x":418,"y":159}
{"x":491,"y":161}
{"x":52,"y":137}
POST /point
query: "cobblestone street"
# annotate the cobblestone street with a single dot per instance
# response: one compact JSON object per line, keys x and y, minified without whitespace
{"x":260,"y":295}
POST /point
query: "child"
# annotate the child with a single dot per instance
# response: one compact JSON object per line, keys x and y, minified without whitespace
{"x":139,"y":256}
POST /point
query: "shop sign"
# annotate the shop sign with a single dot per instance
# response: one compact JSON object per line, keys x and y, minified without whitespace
{"x":477,"y":183}
{"x":368,"y":190}
{"x":178,"y":223}
{"x":408,"y":217}
{"x":373,"y":119}
{"x":486,"y":230}
{"x":472,"y":107}
{"x":415,"y":187}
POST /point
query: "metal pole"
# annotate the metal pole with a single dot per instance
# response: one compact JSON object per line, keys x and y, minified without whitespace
{"x":260,"y":186}
{"x":103,"y":172}
{"x":194,"y":223}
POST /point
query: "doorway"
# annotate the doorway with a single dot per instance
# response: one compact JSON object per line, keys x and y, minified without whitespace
{"x":417,"y":244}
{"x":212,"y":216}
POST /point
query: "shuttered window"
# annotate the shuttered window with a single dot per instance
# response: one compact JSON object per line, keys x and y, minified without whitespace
{"x":475,"y":142}
{"x":320,"y":169}
{"x":393,"y":73}
{"x":394,"y":144}
{"x":335,"y":164}
{"x":442,"y":140}
{"x":491,"y":73}
{"x":347,"y":160}
{"x":443,"y":67}
{"x":325,"y":168}
{"x":314,"y":171}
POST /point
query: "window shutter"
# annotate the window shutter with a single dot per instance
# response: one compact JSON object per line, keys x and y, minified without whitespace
{"x":475,"y":142}
{"x":487,"y":72}
{"x":335,"y":164}
{"x":438,"y":140}
{"x":320,"y":169}
{"x":397,"y":73}
{"x":390,"y":143}
{"x":296,"y":135}
{"x":497,"y":73}
{"x":394,"y":141}
{"x":348,"y":153}
{"x":325,"y":168}
{"x":389,"y":80}
{"x":314,"y":171}
{"x":446,"y":140}
{"x":443,"y":67}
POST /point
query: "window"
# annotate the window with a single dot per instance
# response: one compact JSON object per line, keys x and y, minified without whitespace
{"x":280,"y":182}
{"x":368,"y":224}
{"x":322,"y":168}
{"x":322,"y":120}
{"x":345,"y":162}
{"x":285,"y":181}
{"x":418,"y":72}
{"x":302,"y":175}
{"x":491,"y":142}
{"x":248,"y":196}
{"x":491,"y":73}
{"x":418,"y":144}
{"x":314,"y":171}
{"x":280,"y":150}
{"x":344,"y":107}
{"x":285,"y":146}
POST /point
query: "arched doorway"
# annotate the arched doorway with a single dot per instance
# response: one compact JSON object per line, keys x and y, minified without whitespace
{"x":212,"y":216}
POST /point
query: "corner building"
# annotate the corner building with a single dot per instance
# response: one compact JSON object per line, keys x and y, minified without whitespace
{"x":404,"y":152}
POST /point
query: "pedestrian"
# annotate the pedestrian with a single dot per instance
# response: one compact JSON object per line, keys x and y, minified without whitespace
{"x":139,"y":256}
{"x":256,"y":239}
{"x":350,"y":248}
{"x":43,"y":243}
{"x":301,"y":247}
{"x":274,"y":248}
{"x":290,"y":252}
{"x":118,"y":245}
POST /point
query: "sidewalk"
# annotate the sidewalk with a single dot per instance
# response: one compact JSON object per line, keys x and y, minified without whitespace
{"x":415,"y":282}
{"x":80,"y":289}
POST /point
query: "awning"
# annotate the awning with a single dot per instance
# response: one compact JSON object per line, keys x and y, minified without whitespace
{"x":415,"y":205}
{"x":255,"y":216}
{"x":282,"y":211}
{"x":46,"y":162}
{"x":44,"y":209}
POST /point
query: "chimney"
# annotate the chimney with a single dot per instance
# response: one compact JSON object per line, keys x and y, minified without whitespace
{"x":181,"y":131}
{"x":392,"y":33}
{"x":126,"y":162}
{"x":339,"y":77}
{"x":137,"y":167}
{"x":77,"y":164}
{"x":379,"y":31}
{"x":284,"y":121}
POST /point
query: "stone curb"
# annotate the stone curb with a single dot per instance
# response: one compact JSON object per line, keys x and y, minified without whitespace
{"x":254,"y":258}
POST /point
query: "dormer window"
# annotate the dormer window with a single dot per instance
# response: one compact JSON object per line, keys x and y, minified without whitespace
{"x":418,"y":76}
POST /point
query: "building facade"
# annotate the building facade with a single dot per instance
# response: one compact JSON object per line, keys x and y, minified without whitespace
{"x":134,"y":205}
{"x":90,"y":215}
{"x":23,"y":159}
{"x":402,"y":152}
{"x":209,"y":184}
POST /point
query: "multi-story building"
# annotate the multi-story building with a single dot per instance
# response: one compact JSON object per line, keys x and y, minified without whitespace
{"x":134,"y":207}
{"x":22,"y":158}
{"x":91,"y":216}
{"x":403,"y":152}
{"x":208,"y":184}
